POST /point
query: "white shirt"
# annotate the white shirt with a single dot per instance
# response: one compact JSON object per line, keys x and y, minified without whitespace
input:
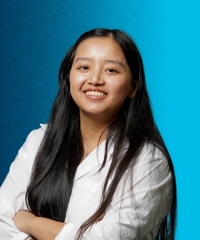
{"x":134,"y":213}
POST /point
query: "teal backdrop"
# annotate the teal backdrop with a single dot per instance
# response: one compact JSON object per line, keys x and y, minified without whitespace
{"x":35,"y":36}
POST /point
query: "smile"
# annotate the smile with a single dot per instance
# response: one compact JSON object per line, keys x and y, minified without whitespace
{"x":95,"y":93}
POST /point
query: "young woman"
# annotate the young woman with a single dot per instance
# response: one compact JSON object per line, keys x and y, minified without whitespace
{"x":99,"y":169}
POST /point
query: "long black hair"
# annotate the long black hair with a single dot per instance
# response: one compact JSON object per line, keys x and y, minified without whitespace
{"x":61,"y":150}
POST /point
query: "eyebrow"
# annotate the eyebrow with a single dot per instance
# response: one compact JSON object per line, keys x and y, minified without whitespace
{"x":82,"y":59}
{"x":116,"y":62}
{"x":108,"y":61}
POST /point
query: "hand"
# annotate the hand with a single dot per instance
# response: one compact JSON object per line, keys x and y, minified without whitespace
{"x":37,"y":227}
{"x":22,"y":219}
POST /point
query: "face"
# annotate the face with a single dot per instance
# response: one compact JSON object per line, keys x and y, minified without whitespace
{"x":100,"y":78}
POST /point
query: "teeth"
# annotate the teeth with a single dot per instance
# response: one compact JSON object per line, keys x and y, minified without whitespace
{"x":95,"y":93}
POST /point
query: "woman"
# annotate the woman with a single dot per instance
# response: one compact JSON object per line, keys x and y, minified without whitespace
{"x":100,"y":168}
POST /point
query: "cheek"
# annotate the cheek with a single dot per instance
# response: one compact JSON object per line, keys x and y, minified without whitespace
{"x":122,"y":89}
{"x":76,"y":80}
{"x":73,"y":85}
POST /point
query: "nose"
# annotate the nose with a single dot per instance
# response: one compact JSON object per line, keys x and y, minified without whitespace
{"x":96,"y":77}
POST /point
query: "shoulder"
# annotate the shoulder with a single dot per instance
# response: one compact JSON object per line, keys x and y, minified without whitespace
{"x":153,"y":163}
{"x":31,"y":146}
{"x":151,"y":152}
{"x":148,"y":152}
{"x":33,"y":141}
{"x":37,"y":135}
{"x":149,"y":174}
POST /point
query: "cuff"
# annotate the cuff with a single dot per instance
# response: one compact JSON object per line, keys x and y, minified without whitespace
{"x":69,"y":231}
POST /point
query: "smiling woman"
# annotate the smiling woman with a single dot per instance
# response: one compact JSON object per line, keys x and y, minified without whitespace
{"x":100,"y":78}
{"x":99,"y":169}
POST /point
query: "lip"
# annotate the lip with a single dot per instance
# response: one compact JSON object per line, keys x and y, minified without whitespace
{"x":95,"y":90}
{"x":95,"y":93}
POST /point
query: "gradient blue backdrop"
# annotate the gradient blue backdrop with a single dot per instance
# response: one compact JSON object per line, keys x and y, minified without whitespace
{"x":35,"y":36}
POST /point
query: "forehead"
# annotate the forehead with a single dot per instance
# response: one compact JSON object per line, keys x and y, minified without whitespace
{"x":100,"y":46}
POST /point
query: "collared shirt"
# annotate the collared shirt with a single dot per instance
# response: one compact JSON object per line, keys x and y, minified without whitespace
{"x":140,"y":203}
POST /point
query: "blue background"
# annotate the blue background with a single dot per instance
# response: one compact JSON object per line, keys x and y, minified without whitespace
{"x":35,"y":36}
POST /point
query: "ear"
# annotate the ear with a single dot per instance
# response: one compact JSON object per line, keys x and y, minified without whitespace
{"x":133,"y":89}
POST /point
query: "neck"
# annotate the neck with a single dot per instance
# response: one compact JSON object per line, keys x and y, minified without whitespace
{"x":93,"y":131}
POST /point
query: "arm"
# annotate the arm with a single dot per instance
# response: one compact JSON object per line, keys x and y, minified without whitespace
{"x":37,"y":227}
{"x":12,"y":191}
{"x":136,"y":211}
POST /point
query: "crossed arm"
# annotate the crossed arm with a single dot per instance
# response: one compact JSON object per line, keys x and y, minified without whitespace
{"x":152,"y":196}
{"x":37,"y":227}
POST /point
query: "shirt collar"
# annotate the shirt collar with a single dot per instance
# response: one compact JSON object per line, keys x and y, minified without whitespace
{"x":94,"y":159}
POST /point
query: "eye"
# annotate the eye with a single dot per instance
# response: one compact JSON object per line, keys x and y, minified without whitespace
{"x":111,"y":70}
{"x":83,"y":68}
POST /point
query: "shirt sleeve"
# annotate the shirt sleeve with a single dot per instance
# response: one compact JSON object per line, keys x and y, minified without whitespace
{"x":140,"y":204}
{"x":12,"y":191}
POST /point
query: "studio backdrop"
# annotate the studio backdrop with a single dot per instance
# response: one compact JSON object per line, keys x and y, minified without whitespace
{"x":35,"y":36}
